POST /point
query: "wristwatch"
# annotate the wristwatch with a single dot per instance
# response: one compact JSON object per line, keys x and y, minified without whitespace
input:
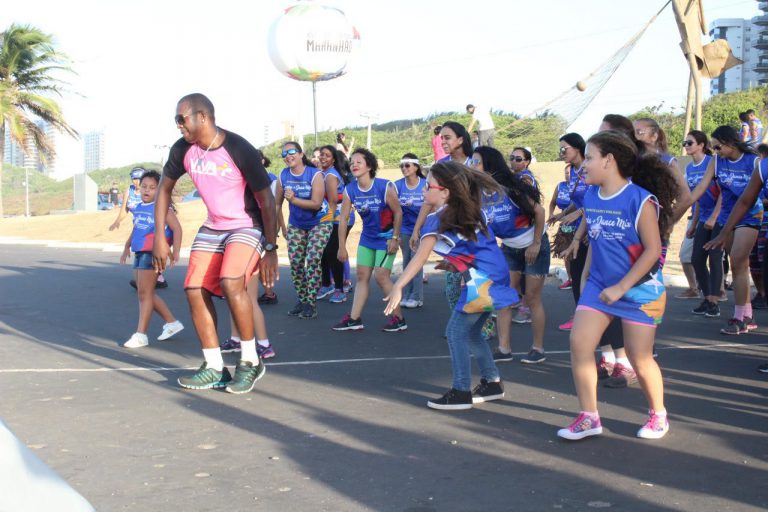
{"x":270,"y":247}
{"x":396,"y":238}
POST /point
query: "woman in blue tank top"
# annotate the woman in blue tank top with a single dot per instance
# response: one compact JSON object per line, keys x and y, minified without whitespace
{"x":519,"y":161}
{"x":623,"y":222}
{"x":380,"y":214}
{"x":707,"y":264}
{"x":303,"y":187}
{"x":561,"y":199}
{"x":732,"y":169}
{"x":410,"y":192}
{"x":517,"y":219}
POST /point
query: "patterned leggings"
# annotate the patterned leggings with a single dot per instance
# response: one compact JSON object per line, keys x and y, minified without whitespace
{"x":452,"y":288}
{"x":305,"y":250}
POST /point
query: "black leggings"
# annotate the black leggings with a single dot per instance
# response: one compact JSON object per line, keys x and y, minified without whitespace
{"x":330,"y":261}
{"x":577,"y":269}
{"x":710,"y":279}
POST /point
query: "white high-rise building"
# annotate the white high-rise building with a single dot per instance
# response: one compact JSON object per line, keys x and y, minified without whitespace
{"x":93,"y":151}
{"x":748,"y":40}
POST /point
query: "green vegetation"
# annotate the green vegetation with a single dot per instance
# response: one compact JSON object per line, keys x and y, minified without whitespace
{"x":392,"y":139}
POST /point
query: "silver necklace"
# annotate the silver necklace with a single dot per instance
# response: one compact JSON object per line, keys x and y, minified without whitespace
{"x":211,"y":144}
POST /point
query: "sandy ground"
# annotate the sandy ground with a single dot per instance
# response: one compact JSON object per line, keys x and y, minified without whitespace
{"x":93,"y":227}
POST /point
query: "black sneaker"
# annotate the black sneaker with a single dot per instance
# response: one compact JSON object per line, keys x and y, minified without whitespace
{"x":308,"y":312}
{"x":734,"y":326}
{"x":758,"y":302}
{"x":501,"y":357}
{"x":133,"y":284}
{"x":347,"y":323}
{"x":763,"y":368}
{"x":702,"y":308}
{"x":453,"y":400}
{"x":713,"y":310}
{"x":161,"y":284}
{"x":267,"y":299}
{"x":533,"y":357}
{"x":487,"y":391}
{"x":297,"y":309}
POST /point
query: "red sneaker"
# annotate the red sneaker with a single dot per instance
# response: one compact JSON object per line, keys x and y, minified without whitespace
{"x":567,"y":326}
{"x":566,"y":285}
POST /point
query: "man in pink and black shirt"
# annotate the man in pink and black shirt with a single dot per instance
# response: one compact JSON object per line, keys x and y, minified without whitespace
{"x":237,"y":237}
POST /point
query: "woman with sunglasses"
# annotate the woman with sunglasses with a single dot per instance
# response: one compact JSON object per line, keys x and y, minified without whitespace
{"x":561,"y":199}
{"x":410,"y":191}
{"x":304,"y":188}
{"x":458,"y":145}
{"x":708,"y":265}
{"x":733,"y":169}
{"x":517,"y":218}
{"x":375,"y":200}
{"x":519,"y":161}
{"x":333,"y":164}
{"x":572,"y":147}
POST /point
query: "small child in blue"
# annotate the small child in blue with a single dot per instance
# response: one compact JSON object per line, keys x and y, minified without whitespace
{"x":624,"y":278}
{"x":457,"y":231}
{"x":140,"y":242}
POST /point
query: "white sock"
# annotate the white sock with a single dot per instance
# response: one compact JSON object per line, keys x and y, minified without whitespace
{"x":263,"y":343}
{"x":624,"y":362}
{"x":235,"y":338}
{"x":248,"y":351}
{"x":610,"y":357}
{"x":505,"y":350}
{"x":213,"y":358}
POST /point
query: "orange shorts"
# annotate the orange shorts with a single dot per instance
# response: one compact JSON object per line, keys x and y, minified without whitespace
{"x":218,"y":255}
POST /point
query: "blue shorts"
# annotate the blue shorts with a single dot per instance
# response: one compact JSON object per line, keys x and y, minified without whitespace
{"x":143,"y":260}
{"x":516,"y":259}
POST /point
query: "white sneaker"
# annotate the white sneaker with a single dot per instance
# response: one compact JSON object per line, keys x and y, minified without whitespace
{"x":170,"y":329}
{"x":411,"y":303}
{"x":137,"y":340}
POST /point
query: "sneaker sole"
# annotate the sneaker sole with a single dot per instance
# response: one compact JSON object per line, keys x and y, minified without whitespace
{"x":709,"y":315}
{"x":521,"y":321}
{"x":350,"y":328}
{"x":570,"y":436}
{"x":504,"y":360}
{"x":163,"y":338}
{"x":649,"y":434}
{"x":337,"y":301}
{"x":213,"y":385}
{"x":125,"y":345}
{"x":489,"y":398}
{"x":449,"y":407}
{"x":528,"y":361}
{"x":304,"y":317}
{"x":253,"y":384}
{"x":230,"y":350}
{"x":724,"y":331}
{"x":403,"y":328}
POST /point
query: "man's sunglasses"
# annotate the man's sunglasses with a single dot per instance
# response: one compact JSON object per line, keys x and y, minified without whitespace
{"x":179,"y":119}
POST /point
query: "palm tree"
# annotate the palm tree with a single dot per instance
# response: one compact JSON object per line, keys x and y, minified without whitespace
{"x":28,"y":62}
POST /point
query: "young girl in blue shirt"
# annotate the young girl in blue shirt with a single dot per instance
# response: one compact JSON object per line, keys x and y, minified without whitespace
{"x":457,"y":231}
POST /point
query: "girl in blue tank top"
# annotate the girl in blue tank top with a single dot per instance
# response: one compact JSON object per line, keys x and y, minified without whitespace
{"x":377,"y":205}
{"x":410,"y":191}
{"x":140,"y":242}
{"x":304,"y":188}
{"x":456,"y":231}
{"x":733,"y":169}
{"x":623,"y":222}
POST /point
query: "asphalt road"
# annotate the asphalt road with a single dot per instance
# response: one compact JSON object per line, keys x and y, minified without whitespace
{"x":340,"y":422}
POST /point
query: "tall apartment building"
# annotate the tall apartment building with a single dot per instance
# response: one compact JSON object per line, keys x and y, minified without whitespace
{"x":93,"y":151}
{"x":30,"y":159}
{"x":748,"y":40}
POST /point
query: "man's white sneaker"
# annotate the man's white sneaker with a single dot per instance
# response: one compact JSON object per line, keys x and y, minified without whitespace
{"x":137,"y":340}
{"x":170,"y":329}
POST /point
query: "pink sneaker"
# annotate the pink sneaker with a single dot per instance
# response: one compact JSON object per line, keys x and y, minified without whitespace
{"x":656,"y":427}
{"x":621,"y":377}
{"x":567,"y":326}
{"x":584,"y":425}
{"x":604,"y":369}
{"x":566,"y":285}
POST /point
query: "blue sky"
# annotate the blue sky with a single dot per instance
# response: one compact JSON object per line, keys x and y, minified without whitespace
{"x":418,"y":57}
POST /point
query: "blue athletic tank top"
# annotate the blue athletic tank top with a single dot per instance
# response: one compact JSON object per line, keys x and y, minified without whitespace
{"x":526,"y":173}
{"x":481,"y":263}
{"x":733,"y":176}
{"x":411,"y":201}
{"x":693,"y":175}
{"x":333,"y":216}
{"x":616,"y":245}
{"x":506,"y":221}
{"x":563,"y":198}
{"x":302,"y":187}
{"x":143,"y":236}
{"x":134,"y":198}
{"x":376,"y":216}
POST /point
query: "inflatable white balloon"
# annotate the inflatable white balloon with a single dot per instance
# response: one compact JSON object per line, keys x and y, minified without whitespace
{"x":312,"y":42}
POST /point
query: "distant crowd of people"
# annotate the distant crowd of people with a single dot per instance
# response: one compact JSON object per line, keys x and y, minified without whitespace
{"x":483,"y":213}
